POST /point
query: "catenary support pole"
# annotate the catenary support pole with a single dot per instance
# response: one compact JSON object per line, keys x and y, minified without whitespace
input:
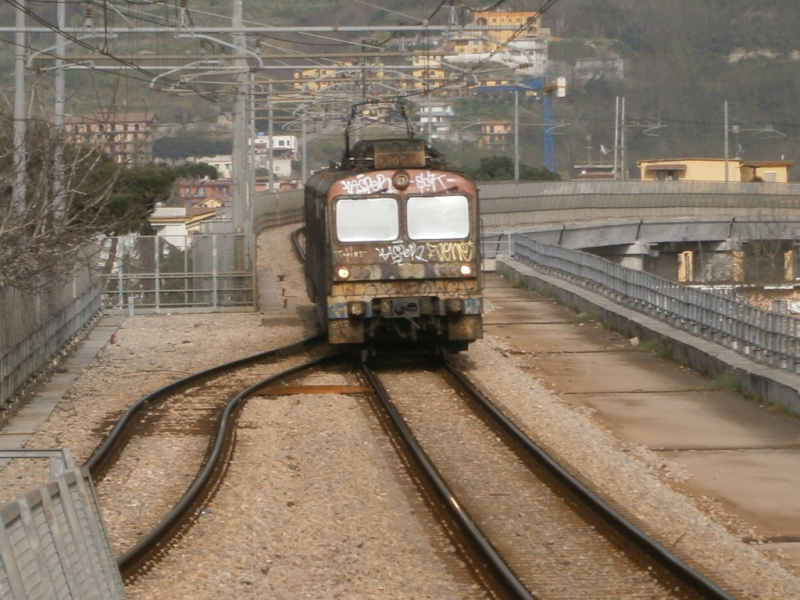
{"x":20,"y":152}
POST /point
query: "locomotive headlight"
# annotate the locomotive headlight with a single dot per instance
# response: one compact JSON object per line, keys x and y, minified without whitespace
{"x":343,"y":272}
{"x":466,"y":270}
{"x":400,"y":180}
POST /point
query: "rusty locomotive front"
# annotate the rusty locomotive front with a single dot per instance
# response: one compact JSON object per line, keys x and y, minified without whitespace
{"x":392,"y":247}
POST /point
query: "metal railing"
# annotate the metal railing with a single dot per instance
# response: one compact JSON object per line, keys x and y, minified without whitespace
{"x":174,"y":272}
{"x":763,"y":336}
{"x":53,"y":543}
{"x":35,"y":327}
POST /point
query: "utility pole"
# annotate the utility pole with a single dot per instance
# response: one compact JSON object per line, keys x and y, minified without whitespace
{"x":304,"y":170}
{"x":616,"y":140}
{"x":516,"y":135}
{"x":270,"y":141}
{"x":20,"y":152}
{"x":58,"y":111}
{"x":726,"y":141}
{"x":430,"y":117}
{"x":622,"y":136}
{"x":240,"y":141}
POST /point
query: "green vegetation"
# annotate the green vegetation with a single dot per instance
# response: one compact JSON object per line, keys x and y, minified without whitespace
{"x":501,"y":168}
{"x":196,"y":171}
{"x":181,"y":146}
{"x":134,"y":196}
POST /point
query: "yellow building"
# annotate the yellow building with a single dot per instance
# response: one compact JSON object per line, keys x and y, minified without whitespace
{"x":428,"y":72}
{"x":496,"y":133}
{"x":500,"y":26}
{"x":514,"y":38}
{"x":319,"y":78}
{"x":713,"y":169}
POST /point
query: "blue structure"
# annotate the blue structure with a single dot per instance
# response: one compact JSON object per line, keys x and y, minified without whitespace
{"x":539,"y":85}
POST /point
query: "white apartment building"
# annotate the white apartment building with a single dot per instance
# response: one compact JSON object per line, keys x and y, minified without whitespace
{"x":436,"y":118}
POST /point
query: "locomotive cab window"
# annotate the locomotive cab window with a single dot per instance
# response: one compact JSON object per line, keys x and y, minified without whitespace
{"x":438,"y":217}
{"x":367,"y":220}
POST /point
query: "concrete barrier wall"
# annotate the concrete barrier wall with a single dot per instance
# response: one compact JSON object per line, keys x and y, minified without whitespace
{"x":512,"y":204}
{"x":277,"y":208}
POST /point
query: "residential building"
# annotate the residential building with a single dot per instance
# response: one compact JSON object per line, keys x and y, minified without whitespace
{"x":513,"y":38}
{"x":175,"y":224}
{"x":126,"y":137}
{"x":434,"y":118}
{"x":319,"y":78}
{"x":208,"y":193}
{"x":713,"y":169}
{"x":496,"y":133}
{"x":284,"y":151}
{"x":283,"y":146}
{"x":222,"y":163}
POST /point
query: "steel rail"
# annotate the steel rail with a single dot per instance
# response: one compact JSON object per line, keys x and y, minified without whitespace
{"x":299,"y":250}
{"x":470,"y":529}
{"x":134,"y":556}
{"x":628,"y":530}
{"x":97,"y":462}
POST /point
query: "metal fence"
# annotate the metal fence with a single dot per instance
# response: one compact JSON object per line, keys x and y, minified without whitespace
{"x":53,"y":544}
{"x":34,"y":327}
{"x":764,"y":336}
{"x":177,"y":272}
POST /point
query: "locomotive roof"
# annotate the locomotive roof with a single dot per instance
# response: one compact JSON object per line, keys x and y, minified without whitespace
{"x":393,"y":153}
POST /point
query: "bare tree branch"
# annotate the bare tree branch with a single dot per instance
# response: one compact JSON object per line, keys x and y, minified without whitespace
{"x":41,"y":242}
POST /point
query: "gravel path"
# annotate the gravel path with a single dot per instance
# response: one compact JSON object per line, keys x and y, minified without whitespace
{"x":316,"y":504}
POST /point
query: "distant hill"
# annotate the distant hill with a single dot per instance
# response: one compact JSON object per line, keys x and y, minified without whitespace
{"x":681,"y":61}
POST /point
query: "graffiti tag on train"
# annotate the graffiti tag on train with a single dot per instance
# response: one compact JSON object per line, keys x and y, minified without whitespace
{"x":350,"y":253}
{"x":368,"y":184}
{"x":405,"y":287}
{"x":402,"y":254}
{"x":428,"y":182}
{"x":451,"y":251}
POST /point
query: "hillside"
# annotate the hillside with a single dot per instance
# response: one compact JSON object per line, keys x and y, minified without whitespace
{"x":681,"y":61}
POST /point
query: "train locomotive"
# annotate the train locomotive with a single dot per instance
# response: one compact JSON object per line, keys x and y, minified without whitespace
{"x":392,"y":247}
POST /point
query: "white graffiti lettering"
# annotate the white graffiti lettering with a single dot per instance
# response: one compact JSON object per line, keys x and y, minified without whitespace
{"x":429,"y":182}
{"x":368,"y":184}
{"x":350,"y":253}
{"x":451,"y":251}
{"x":401,"y":254}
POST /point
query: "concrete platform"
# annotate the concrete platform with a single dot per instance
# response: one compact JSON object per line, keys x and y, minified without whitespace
{"x":738,"y":451}
{"x":36,"y":410}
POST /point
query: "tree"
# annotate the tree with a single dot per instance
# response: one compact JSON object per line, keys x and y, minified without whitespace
{"x":198,"y":170}
{"x":65,"y":208}
{"x":180,"y":147}
{"x":501,"y":168}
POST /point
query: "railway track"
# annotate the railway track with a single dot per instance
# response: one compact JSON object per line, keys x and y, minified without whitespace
{"x":536,"y":531}
{"x":197,"y":416}
{"x":525,"y":527}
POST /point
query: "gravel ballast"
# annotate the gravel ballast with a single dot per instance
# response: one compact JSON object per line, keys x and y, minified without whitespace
{"x":316,"y":504}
